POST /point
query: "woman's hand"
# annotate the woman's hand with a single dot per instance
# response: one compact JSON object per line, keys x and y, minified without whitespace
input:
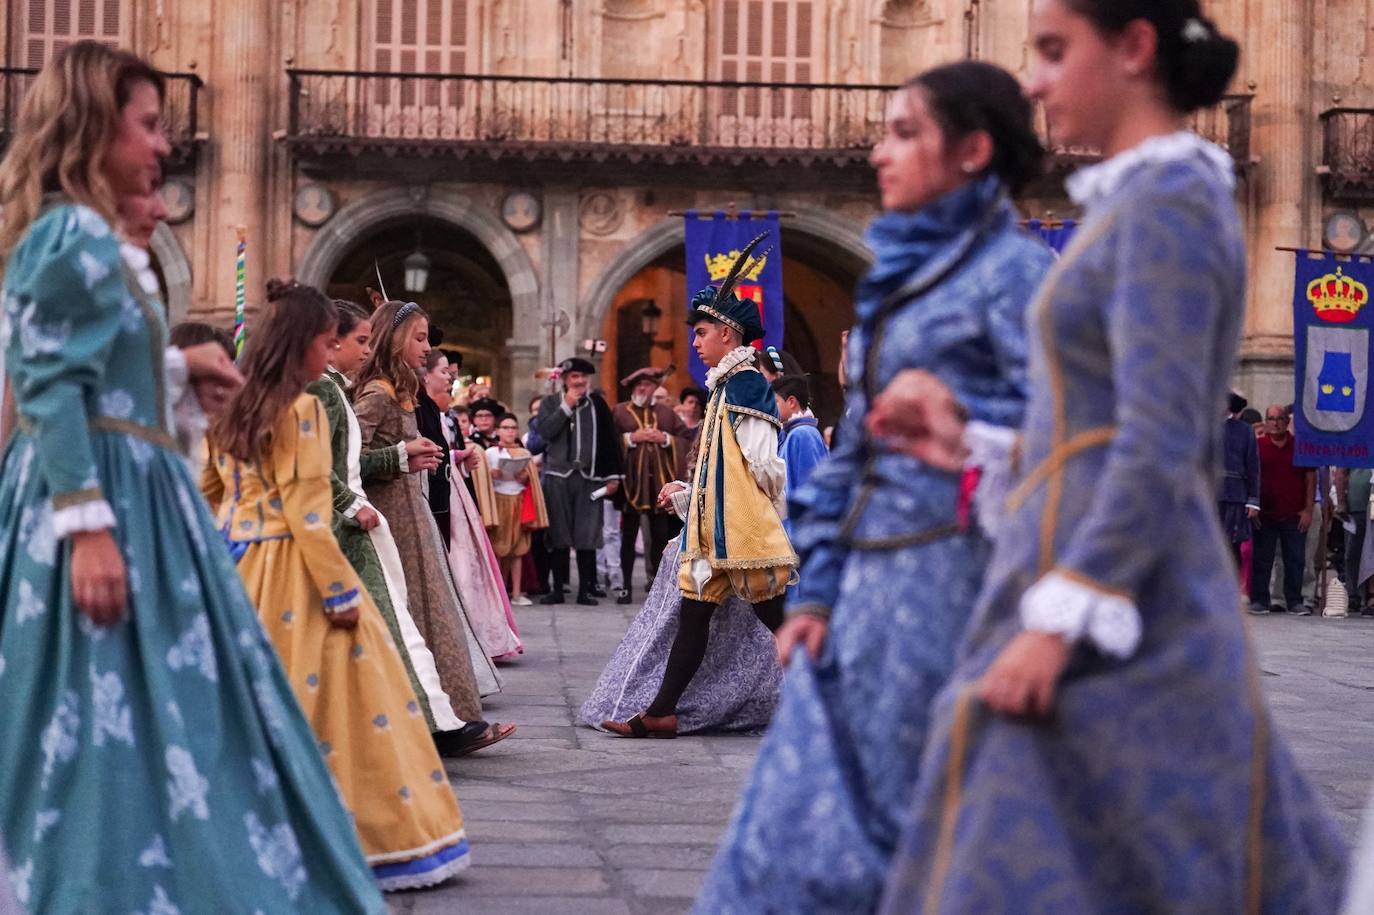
{"x":918,"y":414}
{"x":802,"y":629}
{"x":213,"y":376}
{"x":367,"y":518}
{"x":348,"y":619}
{"x":98,"y":577}
{"x":665,"y":495}
{"x":422,"y":454}
{"x":1023,"y":679}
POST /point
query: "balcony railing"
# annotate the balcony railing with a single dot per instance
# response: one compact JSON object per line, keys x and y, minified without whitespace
{"x":571,"y":118}
{"x":1348,"y":153}
{"x":181,"y":112}
{"x":1226,"y":124}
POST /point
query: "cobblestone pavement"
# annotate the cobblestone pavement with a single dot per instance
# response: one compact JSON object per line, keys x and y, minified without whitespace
{"x":566,"y":820}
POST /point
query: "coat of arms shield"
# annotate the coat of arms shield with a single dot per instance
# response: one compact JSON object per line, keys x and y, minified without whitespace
{"x":1337,"y":377}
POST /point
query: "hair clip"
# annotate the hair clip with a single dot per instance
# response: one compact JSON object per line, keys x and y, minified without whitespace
{"x":402,"y":313}
{"x":1195,"y":30}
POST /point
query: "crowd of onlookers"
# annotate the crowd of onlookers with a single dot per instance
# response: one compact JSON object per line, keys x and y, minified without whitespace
{"x":1298,"y":533}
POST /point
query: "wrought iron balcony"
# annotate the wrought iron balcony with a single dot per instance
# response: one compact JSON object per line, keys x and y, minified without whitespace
{"x":566,"y":118}
{"x":180,"y":115}
{"x":1226,"y":124}
{"x":1348,"y":153}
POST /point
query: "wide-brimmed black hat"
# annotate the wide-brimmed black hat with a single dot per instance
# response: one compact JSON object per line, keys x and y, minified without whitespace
{"x":720,"y":304}
{"x":489,"y":404}
{"x":577,"y":364}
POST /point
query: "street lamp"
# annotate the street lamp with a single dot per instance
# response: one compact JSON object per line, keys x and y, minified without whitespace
{"x":417,"y":272}
{"x":649,"y":317}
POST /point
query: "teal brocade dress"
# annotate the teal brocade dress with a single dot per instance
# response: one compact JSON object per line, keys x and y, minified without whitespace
{"x":161,"y":764}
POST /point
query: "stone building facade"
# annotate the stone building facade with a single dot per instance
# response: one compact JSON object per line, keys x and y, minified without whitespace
{"x":536,"y":154}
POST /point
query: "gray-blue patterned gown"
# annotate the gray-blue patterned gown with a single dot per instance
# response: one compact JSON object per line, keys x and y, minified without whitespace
{"x":882,"y":549}
{"x":1160,"y":784}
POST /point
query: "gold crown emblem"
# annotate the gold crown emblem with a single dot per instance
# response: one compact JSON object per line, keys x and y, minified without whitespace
{"x":719,"y":266}
{"x":1336,"y":297}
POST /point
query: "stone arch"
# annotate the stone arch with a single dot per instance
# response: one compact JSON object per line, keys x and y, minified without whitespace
{"x":176,"y":272}
{"x":353,"y":221}
{"x":843,"y":239}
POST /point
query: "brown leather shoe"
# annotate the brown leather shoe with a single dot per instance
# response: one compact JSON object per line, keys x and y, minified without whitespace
{"x":662,"y":727}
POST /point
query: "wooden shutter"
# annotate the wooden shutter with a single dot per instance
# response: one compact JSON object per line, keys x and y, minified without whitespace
{"x":767,"y":41}
{"x":51,"y":25}
{"x":421,"y":36}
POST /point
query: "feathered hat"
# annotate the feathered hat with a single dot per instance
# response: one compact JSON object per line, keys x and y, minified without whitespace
{"x":722,"y":305}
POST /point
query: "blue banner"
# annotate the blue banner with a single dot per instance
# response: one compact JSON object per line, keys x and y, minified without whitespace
{"x":1055,"y":234}
{"x":713,"y":242}
{"x":1333,"y":417}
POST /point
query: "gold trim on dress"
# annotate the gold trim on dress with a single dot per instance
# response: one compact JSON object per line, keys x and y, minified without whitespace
{"x":1058,"y":457}
{"x":954,"y":790}
{"x":65,"y":500}
{"x":120,"y":426}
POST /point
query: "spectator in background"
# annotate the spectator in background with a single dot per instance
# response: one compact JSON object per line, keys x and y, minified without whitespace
{"x":692,"y":410}
{"x":662,"y":398}
{"x":1254,"y":419}
{"x":1352,"y":509}
{"x":1287,"y":494}
{"x":1239,"y":499}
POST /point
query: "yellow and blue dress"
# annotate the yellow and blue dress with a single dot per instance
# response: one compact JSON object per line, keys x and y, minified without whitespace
{"x":351,"y":683}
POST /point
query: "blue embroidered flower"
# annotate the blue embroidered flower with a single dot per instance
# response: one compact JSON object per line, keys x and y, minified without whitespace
{"x":305,"y":425}
{"x":245,"y":525}
{"x":335,"y":587}
{"x":312,"y":518}
{"x":326,"y":748}
{"x":437,"y":776}
{"x":357,"y":651}
{"x":404,"y":792}
{"x":288,"y":616}
{"x":275,"y":503}
{"x":312,"y":680}
{"x":413,"y":707}
{"x":381,"y":722}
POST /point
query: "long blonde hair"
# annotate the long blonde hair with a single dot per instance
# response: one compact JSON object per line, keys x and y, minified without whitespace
{"x":272,"y":368}
{"x":388,"y":341}
{"x":67,"y":123}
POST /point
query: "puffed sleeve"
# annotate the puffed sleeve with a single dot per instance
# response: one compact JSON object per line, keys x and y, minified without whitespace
{"x":64,"y":295}
{"x":378,"y":462}
{"x":1173,"y":281}
{"x":301,"y":464}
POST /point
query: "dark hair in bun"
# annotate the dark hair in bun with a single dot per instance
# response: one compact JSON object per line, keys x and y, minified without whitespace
{"x":1195,"y":62}
{"x":971,"y":95}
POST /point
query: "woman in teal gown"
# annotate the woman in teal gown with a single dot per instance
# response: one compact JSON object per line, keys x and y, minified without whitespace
{"x":152,"y":757}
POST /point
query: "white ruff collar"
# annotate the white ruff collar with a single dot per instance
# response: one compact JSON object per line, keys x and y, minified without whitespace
{"x":1091,"y":185}
{"x":736,"y":357}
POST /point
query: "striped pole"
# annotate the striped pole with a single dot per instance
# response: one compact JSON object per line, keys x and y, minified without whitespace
{"x":240,"y":289}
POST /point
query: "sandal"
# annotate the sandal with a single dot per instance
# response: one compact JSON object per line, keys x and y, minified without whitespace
{"x":495,"y":733}
{"x":663,"y":728}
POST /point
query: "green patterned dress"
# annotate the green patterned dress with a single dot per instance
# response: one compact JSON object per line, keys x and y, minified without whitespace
{"x":160,"y":764}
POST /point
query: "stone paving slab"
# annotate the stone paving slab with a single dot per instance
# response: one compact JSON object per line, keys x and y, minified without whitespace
{"x":566,"y":820}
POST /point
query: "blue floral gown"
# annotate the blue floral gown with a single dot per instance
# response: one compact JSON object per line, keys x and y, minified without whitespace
{"x":161,"y":764}
{"x":1160,"y":784}
{"x":884,"y":553}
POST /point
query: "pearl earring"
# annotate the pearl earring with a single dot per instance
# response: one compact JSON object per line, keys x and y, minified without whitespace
{"x":969,"y":168}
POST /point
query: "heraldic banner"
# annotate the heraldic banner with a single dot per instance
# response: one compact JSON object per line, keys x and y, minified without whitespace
{"x":714,"y":240}
{"x":1333,"y":419}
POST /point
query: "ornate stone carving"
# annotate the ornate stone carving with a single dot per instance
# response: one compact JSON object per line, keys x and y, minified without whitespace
{"x":601,"y":212}
{"x":905,"y":14}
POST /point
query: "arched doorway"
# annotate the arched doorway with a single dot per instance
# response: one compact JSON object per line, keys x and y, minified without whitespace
{"x":465,"y":291}
{"x":821,"y":266}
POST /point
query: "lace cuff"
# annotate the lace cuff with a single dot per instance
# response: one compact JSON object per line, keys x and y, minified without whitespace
{"x":1065,"y":605}
{"x":403,"y":457}
{"x":352,"y":510}
{"x":92,"y":515}
{"x":990,"y":452}
{"x":175,"y":373}
{"x":681,"y":501}
{"x":342,"y":603}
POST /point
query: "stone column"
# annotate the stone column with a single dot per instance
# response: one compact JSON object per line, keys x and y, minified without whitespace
{"x":1283,"y":189}
{"x":242,"y":72}
{"x":560,"y":275}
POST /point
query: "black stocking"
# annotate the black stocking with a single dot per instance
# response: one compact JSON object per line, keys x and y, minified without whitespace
{"x":688,"y":651}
